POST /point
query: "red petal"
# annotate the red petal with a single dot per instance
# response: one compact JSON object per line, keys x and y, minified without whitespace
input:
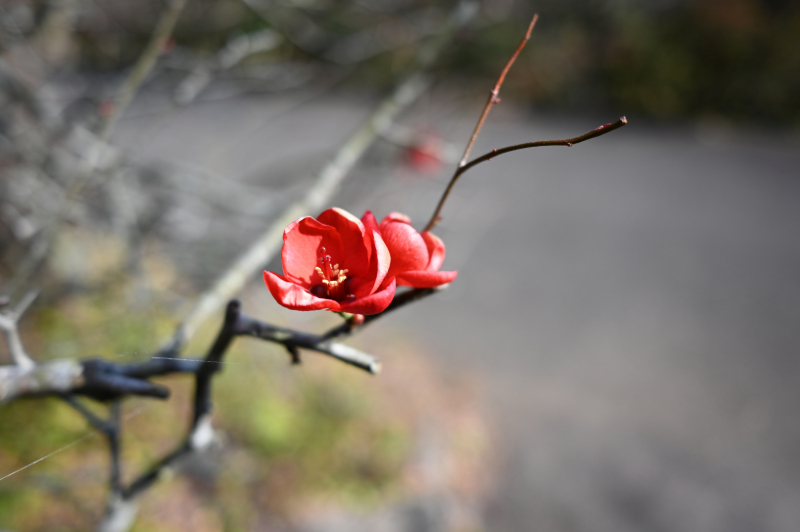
{"x":395,"y":217}
{"x":382,"y":259}
{"x":378,"y":268}
{"x":435,"y":250}
{"x":370,"y":224}
{"x":369,"y":221}
{"x":293,"y":296}
{"x":352,"y":232}
{"x":372,"y":304}
{"x":425,"y":279}
{"x":302,"y":247}
{"x":291,"y":226}
{"x":406,"y":246}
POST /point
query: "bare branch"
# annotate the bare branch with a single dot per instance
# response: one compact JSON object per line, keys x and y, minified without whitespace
{"x":143,"y":66}
{"x":602,"y":130}
{"x":56,"y":377}
{"x":494,"y":94}
{"x":235,"y":51}
{"x":8,"y":323}
{"x":494,"y":97}
{"x":42,"y":244}
{"x":247,"y":326}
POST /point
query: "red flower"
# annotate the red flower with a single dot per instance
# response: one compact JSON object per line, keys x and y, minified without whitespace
{"x":416,"y":257}
{"x":333,"y":263}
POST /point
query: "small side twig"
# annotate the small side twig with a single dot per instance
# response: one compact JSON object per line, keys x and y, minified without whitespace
{"x":110,"y":428}
{"x":494,"y":97}
{"x":464,"y":165}
{"x":601,"y":130}
{"x":292,"y":340}
{"x":494,"y":94}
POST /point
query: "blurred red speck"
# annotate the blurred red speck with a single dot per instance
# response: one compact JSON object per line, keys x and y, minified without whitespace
{"x":357,"y":319}
{"x":168,"y":45}
{"x":106,"y":108}
{"x":425,"y":155}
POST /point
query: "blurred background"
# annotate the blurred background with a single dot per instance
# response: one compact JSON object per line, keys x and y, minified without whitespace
{"x":619,"y":351}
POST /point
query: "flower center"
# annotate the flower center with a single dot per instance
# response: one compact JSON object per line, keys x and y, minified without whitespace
{"x":332,"y":277}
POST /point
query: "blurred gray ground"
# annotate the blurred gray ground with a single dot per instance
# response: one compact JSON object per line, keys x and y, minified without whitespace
{"x":632,"y":302}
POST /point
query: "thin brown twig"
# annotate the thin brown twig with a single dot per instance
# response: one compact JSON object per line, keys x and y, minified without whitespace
{"x":602,"y":130}
{"x":494,"y":97}
{"x":495,"y":92}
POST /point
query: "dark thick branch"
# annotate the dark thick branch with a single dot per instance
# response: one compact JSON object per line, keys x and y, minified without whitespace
{"x":292,"y":340}
{"x":235,"y":324}
{"x":104,"y":380}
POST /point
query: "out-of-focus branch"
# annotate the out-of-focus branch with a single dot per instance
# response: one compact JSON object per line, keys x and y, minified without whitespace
{"x":147,"y":59}
{"x":234,"y":52}
{"x":40,"y":247}
{"x":126,"y":92}
{"x":94,"y":378}
{"x":8,"y":323}
{"x":58,"y":376}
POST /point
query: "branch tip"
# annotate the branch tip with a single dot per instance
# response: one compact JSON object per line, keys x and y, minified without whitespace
{"x":531,"y":25}
{"x":494,"y":97}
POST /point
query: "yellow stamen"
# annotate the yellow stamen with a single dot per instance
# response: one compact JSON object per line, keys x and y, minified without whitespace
{"x":332,"y":277}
